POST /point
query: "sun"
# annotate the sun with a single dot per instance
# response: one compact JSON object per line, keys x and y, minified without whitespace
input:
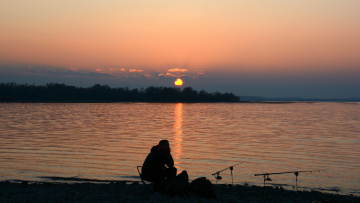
{"x":178,"y":82}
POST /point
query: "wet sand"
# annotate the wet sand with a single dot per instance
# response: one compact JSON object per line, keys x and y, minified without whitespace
{"x":135,"y":192}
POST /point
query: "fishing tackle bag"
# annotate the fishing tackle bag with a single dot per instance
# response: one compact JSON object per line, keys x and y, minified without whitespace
{"x":203,"y":187}
{"x":178,"y":185}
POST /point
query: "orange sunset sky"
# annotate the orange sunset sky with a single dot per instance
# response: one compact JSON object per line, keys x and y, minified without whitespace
{"x":263,"y":48}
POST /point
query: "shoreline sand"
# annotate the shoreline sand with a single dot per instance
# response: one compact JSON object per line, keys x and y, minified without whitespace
{"x":123,"y":191}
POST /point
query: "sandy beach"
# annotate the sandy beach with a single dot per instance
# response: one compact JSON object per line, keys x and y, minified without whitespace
{"x":136,"y":192}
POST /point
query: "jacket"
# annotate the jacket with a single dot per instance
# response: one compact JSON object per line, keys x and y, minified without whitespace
{"x":155,"y":162}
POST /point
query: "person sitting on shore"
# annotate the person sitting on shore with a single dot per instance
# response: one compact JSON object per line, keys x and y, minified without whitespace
{"x":158,"y":166}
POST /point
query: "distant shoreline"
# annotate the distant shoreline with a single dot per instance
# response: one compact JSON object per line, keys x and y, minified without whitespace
{"x":53,"y":92}
{"x":61,"y":93}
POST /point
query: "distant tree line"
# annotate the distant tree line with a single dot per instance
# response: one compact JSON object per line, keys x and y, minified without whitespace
{"x":54,"y":92}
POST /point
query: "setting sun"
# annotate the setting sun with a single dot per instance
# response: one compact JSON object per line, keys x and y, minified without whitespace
{"x":178,"y":82}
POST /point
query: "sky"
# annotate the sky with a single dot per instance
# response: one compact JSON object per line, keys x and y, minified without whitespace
{"x":271,"y":48}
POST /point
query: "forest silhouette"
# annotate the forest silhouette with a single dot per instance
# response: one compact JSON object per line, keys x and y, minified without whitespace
{"x":54,"y":92}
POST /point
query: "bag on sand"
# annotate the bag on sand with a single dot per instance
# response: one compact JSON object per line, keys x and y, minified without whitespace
{"x":203,"y":187}
{"x":179,"y":185}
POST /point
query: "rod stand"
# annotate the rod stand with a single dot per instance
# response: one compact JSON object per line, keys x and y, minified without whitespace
{"x":218,"y":177}
{"x":266,"y":178}
{"x":296,"y":178}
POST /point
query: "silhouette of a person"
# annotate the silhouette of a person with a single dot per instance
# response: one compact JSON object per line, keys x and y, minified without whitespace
{"x":154,"y":167}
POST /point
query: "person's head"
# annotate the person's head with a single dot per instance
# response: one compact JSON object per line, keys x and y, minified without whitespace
{"x":164,"y":144}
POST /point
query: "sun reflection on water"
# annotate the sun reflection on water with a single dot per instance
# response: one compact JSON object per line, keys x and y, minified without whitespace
{"x":177,"y":149}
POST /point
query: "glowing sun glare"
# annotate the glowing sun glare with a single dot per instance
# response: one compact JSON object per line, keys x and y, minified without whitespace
{"x":178,"y":82}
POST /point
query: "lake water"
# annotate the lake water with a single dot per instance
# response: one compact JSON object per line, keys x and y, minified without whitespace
{"x":107,"y":141}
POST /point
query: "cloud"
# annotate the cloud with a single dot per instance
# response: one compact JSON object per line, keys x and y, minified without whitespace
{"x":201,"y":74}
{"x":95,"y":74}
{"x":161,"y":76}
{"x":171,"y":75}
{"x":30,"y":70}
{"x":71,"y":73}
{"x":181,"y":73}
{"x":74,"y":68}
{"x":103,"y":72}
{"x":44,"y":71}
{"x":135,"y":70}
{"x":323,"y":84}
{"x":178,"y":70}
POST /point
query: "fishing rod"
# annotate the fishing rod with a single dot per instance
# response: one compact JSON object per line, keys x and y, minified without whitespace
{"x":296,"y":173}
{"x":217,"y":174}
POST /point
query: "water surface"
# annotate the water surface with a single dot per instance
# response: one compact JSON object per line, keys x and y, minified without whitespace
{"x":107,"y":141}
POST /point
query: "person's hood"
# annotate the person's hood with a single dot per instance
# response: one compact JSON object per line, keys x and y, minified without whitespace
{"x":158,"y":148}
{"x":155,"y":149}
